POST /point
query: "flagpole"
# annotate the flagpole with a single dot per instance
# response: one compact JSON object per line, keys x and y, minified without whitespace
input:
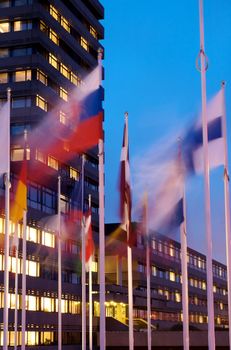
{"x":148,"y":274}
{"x":83,"y":243}
{"x":90,"y":292}
{"x":227,"y":208}
{"x":59,"y":269}
{"x":16,"y":291}
{"x":129,"y":257}
{"x":209,"y":265}
{"x":24,"y":281}
{"x":7,"y":231}
{"x":102,"y":327}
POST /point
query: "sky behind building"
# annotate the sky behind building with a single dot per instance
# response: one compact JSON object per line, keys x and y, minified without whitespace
{"x":150,"y":71}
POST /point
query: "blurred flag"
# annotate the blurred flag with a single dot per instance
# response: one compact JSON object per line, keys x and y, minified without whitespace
{"x":4,"y":137}
{"x":89,"y":238}
{"x":125,"y":189}
{"x":20,"y":200}
{"x":193,"y":141}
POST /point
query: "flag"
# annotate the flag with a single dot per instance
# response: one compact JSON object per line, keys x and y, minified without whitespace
{"x":20,"y":200}
{"x":89,"y":238}
{"x":125,"y":188}
{"x":4,"y":137}
{"x":193,"y":140}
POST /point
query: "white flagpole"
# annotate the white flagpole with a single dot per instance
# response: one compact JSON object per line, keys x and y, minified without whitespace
{"x":90,"y":292}
{"x":102,"y":327}
{"x":83,"y":265}
{"x":24,"y":280}
{"x":7,"y":232}
{"x":227,"y":209}
{"x":59,"y":270}
{"x":148,"y":275}
{"x":129,"y":257}
{"x":209,"y":265}
{"x":16,"y":291}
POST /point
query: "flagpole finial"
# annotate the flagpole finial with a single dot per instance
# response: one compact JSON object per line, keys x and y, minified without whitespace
{"x":223,"y":83}
{"x":100,"y":53}
{"x":126,"y":114}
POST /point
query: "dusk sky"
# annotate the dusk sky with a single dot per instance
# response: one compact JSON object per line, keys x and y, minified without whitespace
{"x":150,"y":53}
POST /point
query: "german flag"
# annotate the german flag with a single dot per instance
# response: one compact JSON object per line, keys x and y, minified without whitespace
{"x":20,"y":200}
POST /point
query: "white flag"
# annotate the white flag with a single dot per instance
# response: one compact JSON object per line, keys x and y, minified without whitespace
{"x":5,"y":138}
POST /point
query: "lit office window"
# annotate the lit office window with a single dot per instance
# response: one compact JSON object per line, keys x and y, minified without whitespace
{"x":41,"y":77}
{"x":93,"y":32}
{"x":54,"y":13}
{"x":63,"y":93}
{"x":47,"y":304}
{"x":75,"y":79}
{"x":3,"y":77}
{"x":4,"y":27}
{"x":53,"y":61}
{"x":22,"y":25}
{"x":53,"y":163}
{"x":154,"y":270}
{"x":41,"y":103}
{"x":178,"y":297}
{"x":74,"y":174}
{"x":22,"y":75}
{"x":172,"y":276}
{"x":75,"y":307}
{"x":32,"y":268}
{"x":84,"y":44}
{"x":1,"y":225}
{"x":1,"y":262}
{"x":47,"y":338}
{"x":17,"y":154}
{"x":13,"y":263}
{"x":94,"y":266}
{"x":48,"y":239}
{"x":54,"y":37}
{"x":32,"y":303}
{"x":63,"y":118}
{"x":64,"y":306}
{"x":64,"y":71}
{"x":65,"y":24}
{"x":32,"y":234}
{"x":32,"y":338}
{"x":43,"y":27}
{"x":41,"y":157}
{"x":4,"y":52}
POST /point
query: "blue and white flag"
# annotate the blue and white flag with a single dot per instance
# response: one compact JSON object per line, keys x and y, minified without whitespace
{"x":193,"y":140}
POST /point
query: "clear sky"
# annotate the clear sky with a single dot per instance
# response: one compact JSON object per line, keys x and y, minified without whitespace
{"x":150,"y":52}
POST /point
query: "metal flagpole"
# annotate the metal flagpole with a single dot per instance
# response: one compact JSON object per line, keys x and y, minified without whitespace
{"x":227,"y":208}
{"x":7,"y":232}
{"x":16,"y":290}
{"x":24,"y":280}
{"x":148,"y":273}
{"x":90,"y":292}
{"x":59,"y":269}
{"x":209,"y":265}
{"x":102,"y":327}
{"x":83,"y":265}
{"x":129,"y":257}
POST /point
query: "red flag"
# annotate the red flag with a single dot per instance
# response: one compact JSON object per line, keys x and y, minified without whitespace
{"x":89,"y":238}
{"x":125,"y":189}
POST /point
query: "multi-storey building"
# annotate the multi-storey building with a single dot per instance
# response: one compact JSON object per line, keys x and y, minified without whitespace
{"x":46,"y":50}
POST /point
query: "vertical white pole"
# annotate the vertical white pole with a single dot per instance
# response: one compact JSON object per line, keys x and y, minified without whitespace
{"x":83,"y":266}
{"x":184,"y":271}
{"x":130,"y":282}
{"x":209,"y":265}
{"x":7,"y":232}
{"x":102,"y":327}
{"x":148,"y":274}
{"x":90,"y":293}
{"x":227,"y":209}
{"x":24,"y":280}
{"x":16,"y":291}
{"x":59,"y":269}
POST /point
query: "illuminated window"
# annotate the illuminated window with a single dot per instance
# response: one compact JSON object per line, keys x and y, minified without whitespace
{"x":63,"y":94}
{"x":74,"y":174}
{"x":41,"y":103}
{"x":75,"y":79}
{"x":47,"y":304}
{"x":63,"y":118}
{"x":4,"y":52}
{"x":172,"y":276}
{"x":54,"y":37}
{"x":154,"y":270}
{"x":64,"y":70}
{"x":22,"y":25}
{"x":203,"y":285}
{"x":43,"y":27}
{"x":1,"y":262}
{"x":41,"y":77}
{"x":64,"y":306}
{"x":40,"y":157}
{"x":3,"y":78}
{"x":48,"y":239}
{"x":32,"y":268}
{"x":94,"y":266}
{"x":53,"y":61}
{"x":171,"y":250}
{"x":22,"y":75}
{"x":32,"y":303}
{"x":84,"y":44}
{"x":17,"y":154}
{"x":13,"y":263}
{"x":32,"y":338}
{"x":54,"y":13}
{"x":53,"y":163}
{"x":47,"y":338}
{"x":93,"y":32}
{"x":32,"y":234}
{"x":1,"y":225}
{"x":65,"y":24}
{"x":4,"y":27}
{"x":75,"y":307}
{"x":178,"y":297}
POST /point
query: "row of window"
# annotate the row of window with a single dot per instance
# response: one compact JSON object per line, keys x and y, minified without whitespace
{"x":9,"y":3}
{"x":16,"y":26}
{"x":32,"y":338}
{"x":32,"y":267}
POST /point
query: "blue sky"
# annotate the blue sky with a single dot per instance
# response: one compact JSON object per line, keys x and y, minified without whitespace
{"x":150,"y":53}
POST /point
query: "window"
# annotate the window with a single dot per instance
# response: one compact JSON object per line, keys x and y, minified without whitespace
{"x":49,"y":199}
{"x":3,"y":77}
{"x":53,"y":163}
{"x":23,"y":51}
{"x":22,"y":2}
{"x":43,"y":27}
{"x":4,"y":27}
{"x":41,"y":103}
{"x":32,"y":338}
{"x":53,"y":61}
{"x":172,"y":276}
{"x":4,"y":52}
{"x":17,"y":154}
{"x":21,"y":102}
{"x":48,"y":239}
{"x":41,"y":77}
{"x":75,"y":307}
{"x":64,"y":70}
{"x":64,"y":306}
{"x":4,"y":3}
{"x":154,"y":270}
{"x":75,"y":79}
{"x":178,"y":297}
{"x":22,"y":75}
{"x":47,"y":338}
{"x":93,"y":32}
{"x":31,"y":303}
{"x":32,"y":234}
{"x":32,"y":268}
{"x":63,"y":94}
{"x":41,"y":157}
{"x":63,"y":118}
{"x":84,"y":44}
{"x":54,"y":37}
{"x":22,"y":25}
{"x":65,"y":24}
{"x":34,"y":196}
{"x":47,"y":304}
{"x":54,"y":13}
{"x":94,"y":266}
{"x":74,"y":174}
